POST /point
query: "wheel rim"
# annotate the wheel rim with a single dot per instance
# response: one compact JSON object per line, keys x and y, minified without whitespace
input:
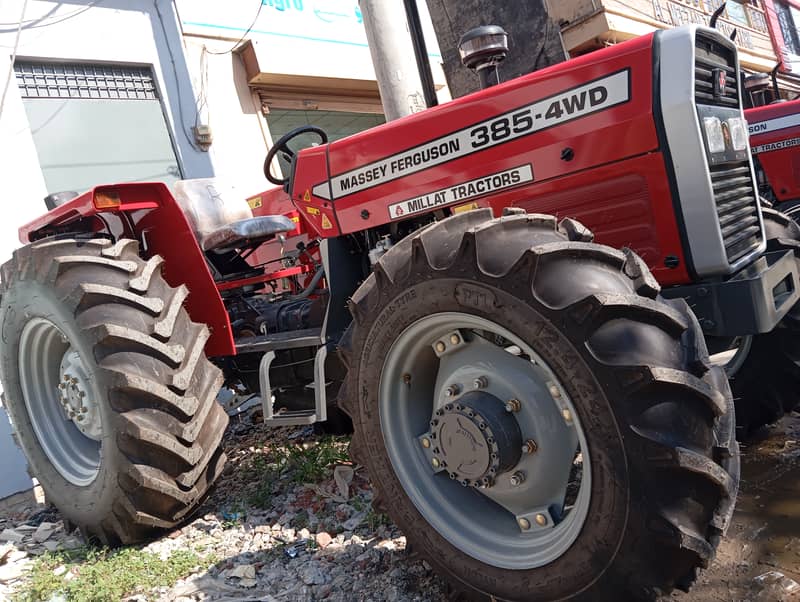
{"x":60,"y":401}
{"x":732,"y":359}
{"x":529,"y":514}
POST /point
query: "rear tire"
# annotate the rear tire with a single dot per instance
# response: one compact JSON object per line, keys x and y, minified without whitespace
{"x":656,"y":417}
{"x":767,"y":384}
{"x":154,"y":447}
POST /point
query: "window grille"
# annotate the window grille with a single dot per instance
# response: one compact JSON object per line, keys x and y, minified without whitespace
{"x":84,"y":80}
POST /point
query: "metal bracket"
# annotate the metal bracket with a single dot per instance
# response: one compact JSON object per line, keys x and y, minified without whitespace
{"x":295,"y":417}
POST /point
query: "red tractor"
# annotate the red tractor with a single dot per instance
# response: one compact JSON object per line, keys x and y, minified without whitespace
{"x":774,"y":139}
{"x":537,"y":411}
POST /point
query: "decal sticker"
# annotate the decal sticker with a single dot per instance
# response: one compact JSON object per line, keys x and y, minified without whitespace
{"x":307,"y":196}
{"x":773,"y":125}
{"x":312,"y":210}
{"x":583,"y":100}
{"x":326,"y":223}
{"x":460,"y":192}
{"x":780,"y":144}
{"x":254,"y":202}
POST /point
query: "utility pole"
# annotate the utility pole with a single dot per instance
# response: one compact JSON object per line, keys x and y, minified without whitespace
{"x":392,"y":53}
{"x":534,"y":39}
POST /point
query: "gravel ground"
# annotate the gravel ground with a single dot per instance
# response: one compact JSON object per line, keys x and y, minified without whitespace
{"x":291,"y":520}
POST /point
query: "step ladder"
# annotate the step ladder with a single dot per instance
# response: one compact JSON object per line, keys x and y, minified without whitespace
{"x":270,"y":344}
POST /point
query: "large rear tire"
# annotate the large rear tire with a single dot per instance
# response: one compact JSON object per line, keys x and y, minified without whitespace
{"x":766,"y":383}
{"x":110,"y":393}
{"x":598,"y":358}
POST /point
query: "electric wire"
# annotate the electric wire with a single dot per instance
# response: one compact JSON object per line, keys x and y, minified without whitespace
{"x":244,"y":35}
{"x":13,"y":58}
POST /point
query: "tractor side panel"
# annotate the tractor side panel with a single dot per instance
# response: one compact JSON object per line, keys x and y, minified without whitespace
{"x":775,"y":141}
{"x":591,"y":153}
{"x":625,"y":204}
{"x":159,"y":222}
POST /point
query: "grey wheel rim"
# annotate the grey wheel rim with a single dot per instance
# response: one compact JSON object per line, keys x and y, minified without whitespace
{"x":60,"y":401}
{"x":515,"y":523}
{"x":734,"y":358}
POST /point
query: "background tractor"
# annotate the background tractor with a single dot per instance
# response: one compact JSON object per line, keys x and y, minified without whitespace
{"x":537,"y":410}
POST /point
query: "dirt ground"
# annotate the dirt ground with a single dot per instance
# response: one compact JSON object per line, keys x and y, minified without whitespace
{"x":765,"y":534}
{"x":358,"y":555}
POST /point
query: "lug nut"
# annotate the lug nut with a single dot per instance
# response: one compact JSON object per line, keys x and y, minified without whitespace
{"x":452,"y":390}
{"x":541,"y":520}
{"x":554,"y":390}
{"x":517,"y":479}
{"x":407,"y":379}
{"x":513,"y":405}
{"x":426,"y":443}
{"x":435,"y":462}
{"x":529,"y":447}
{"x":440,"y":347}
{"x":480,"y":383}
{"x":567,"y":415}
{"x":524,"y":524}
{"x":455,"y":339}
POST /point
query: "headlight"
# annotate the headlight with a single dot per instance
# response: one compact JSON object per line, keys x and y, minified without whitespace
{"x":716,"y":141}
{"x":738,"y":133}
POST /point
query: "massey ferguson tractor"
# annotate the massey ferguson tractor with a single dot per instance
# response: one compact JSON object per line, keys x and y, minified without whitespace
{"x":535,"y":404}
{"x":774,"y":140}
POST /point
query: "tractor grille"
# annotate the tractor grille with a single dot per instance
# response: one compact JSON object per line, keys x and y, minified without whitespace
{"x":732,"y":182}
{"x":709,"y":58}
{"x":737,"y":209}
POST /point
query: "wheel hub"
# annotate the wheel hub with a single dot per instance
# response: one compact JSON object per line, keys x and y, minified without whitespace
{"x":477,"y":439}
{"x":73,"y":394}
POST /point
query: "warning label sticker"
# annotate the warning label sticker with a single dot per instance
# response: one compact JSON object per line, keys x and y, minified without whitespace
{"x":583,"y":100}
{"x":462,"y":192}
{"x":773,"y":146}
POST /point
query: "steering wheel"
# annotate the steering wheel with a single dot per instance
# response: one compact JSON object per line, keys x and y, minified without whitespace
{"x":282,"y":146}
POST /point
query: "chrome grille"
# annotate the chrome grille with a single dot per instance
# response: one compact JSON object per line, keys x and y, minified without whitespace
{"x":737,"y":209}
{"x":710,"y":57}
{"x":735,"y":197}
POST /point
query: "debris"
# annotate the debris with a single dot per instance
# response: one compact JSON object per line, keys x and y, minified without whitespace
{"x":343,"y":475}
{"x":44,"y":531}
{"x":60,"y":570}
{"x":776,"y":586}
{"x":12,"y":535}
{"x":351,"y":524}
{"x":296,"y":549}
{"x":323,"y":539}
{"x":242,"y":571}
{"x":13,"y":571}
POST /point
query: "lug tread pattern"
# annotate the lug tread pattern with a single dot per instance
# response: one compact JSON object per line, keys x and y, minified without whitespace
{"x":697,"y":470}
{"x":168,"y":426}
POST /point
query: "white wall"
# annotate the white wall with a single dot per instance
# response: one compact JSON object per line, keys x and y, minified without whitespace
{"x":123,"y":31}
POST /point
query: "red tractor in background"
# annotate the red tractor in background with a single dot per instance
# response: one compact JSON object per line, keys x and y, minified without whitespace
{"x":774,"y":140}
{"x":538,"y":411}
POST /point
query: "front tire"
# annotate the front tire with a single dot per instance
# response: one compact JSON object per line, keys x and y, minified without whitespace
{"x":106,"y":382}
{"x":653,"y":420}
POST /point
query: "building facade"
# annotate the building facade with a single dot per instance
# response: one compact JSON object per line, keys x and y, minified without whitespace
{"x":760,"y":27}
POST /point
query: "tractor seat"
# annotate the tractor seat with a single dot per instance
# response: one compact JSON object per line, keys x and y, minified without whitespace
{"x":246,"y":232}
{"x":221,"y":218}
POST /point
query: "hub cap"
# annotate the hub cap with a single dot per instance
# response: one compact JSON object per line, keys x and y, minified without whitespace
{"x":60,"y":401}
{"x":477,"y":439}
{"x":485,"y":440}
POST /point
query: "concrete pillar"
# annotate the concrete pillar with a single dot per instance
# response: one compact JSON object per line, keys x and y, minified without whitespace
{"x":393,"y":57}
